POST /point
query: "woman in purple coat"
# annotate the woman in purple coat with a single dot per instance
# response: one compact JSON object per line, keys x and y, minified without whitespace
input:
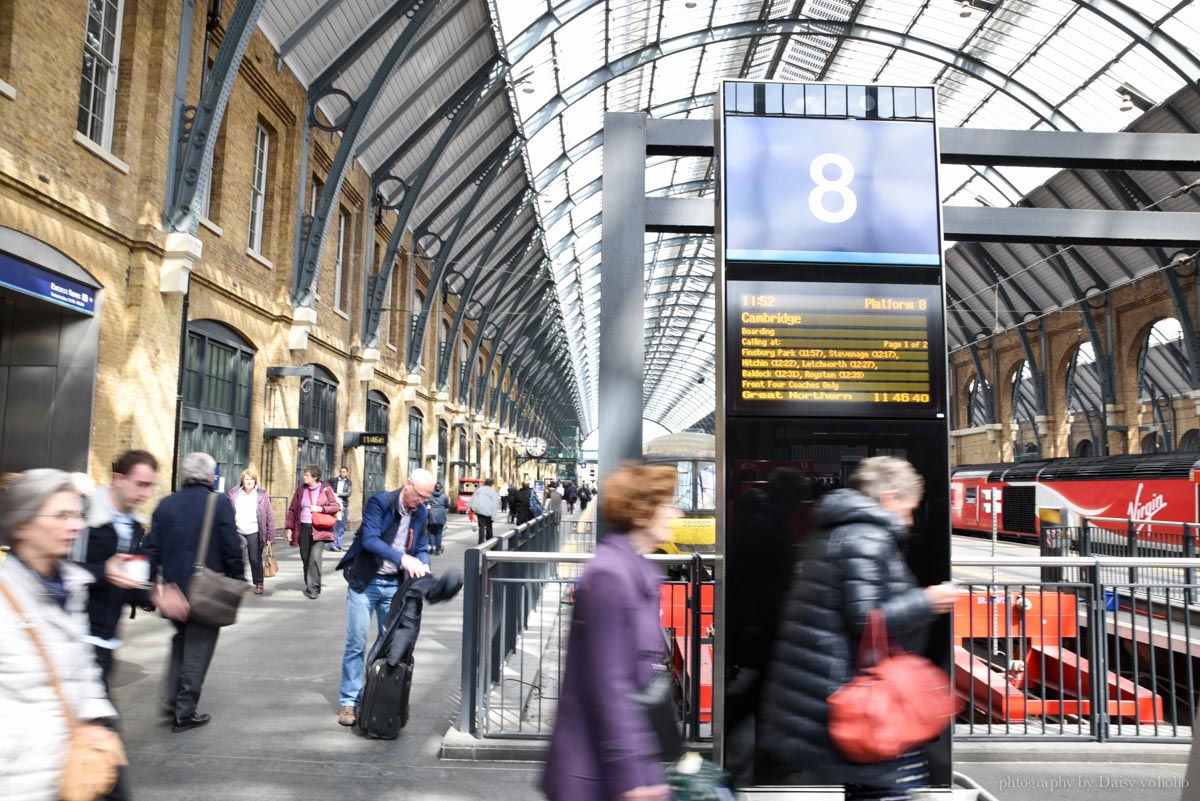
{"x":603,"y":748}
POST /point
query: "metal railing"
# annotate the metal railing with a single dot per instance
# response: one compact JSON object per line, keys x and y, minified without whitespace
{"x":1130,"y":538}
{"x":1075,"y":658}
{"x":1082,"y":657}
{"x":516,"y":616}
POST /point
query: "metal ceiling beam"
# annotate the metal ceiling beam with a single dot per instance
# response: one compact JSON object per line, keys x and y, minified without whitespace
{"x":1071,"y":226}
{"x":934,"y":51}
{"x":315,"y":18}
{"x":468,"y":95}
{"x":194,"y":128}
{"x":1068,"y":149}
{"x":313,"y":228}
{"x":512,"y":214}
{"x":495,"y":162}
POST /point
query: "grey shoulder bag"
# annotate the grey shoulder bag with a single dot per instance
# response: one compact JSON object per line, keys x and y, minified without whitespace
{"x":213,"y":597}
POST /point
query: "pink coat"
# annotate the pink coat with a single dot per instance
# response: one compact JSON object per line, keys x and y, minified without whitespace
{"x":329,"y":505}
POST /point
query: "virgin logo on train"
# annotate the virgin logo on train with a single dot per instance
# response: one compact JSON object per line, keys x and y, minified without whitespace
{"x":1148,"y":510}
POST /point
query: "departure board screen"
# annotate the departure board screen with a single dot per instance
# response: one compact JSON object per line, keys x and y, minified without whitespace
{"x":834,"y":349}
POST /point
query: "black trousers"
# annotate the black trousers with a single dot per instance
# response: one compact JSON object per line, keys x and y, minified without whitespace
{"x":310,"y":554}
{"x":192,"y":651}
{"x":485,"y":528}
{"x":253,"y":551}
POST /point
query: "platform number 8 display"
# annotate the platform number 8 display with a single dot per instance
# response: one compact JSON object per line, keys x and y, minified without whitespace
{"x":840,"y":186}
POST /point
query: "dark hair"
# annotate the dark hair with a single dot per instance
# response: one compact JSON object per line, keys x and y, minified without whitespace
{"x":131,"y":459}
{"x":314,"y":471}
{"x":487,"y":482}
{"x":632,"y":493}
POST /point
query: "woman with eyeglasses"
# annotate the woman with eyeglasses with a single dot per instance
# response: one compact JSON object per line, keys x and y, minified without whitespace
{"x":43,"y":621}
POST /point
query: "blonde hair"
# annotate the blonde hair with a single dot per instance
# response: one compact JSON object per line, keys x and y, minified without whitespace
{"x":877,"y":475}
{"x":249,"y":471}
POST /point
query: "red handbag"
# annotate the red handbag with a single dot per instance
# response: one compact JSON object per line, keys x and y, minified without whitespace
{"x":320,"y":519}
{"x":901,"y":701}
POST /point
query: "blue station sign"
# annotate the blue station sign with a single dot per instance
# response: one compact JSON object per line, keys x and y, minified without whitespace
{"x":42,"y":284}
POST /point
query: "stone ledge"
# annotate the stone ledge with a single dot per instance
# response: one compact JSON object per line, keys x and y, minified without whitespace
{"x":966,"y":752}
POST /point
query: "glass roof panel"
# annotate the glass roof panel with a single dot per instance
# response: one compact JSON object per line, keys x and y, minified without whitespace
{"x":1061,"y":50}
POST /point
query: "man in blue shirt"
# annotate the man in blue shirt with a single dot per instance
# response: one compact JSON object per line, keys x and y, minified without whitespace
{"x":392,"y":539}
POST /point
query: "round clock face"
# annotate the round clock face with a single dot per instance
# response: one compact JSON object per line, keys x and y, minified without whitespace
{"x":535,"y":446}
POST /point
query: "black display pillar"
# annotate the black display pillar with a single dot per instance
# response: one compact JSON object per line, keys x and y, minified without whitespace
{"x":831,"y":346}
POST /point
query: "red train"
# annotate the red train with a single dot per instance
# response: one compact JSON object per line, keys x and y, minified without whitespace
{"x":1024,"y":497}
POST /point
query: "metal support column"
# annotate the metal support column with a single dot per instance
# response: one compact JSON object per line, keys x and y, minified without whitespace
{"x":622,"y":279}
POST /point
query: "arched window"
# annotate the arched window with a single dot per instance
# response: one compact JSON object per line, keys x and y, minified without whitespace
{"x":479,"y":456}
{"x":464,"y":455}
{"x":444,"y":352}
{"x":218,"y":375}
{"x":1153,"y":443}
{"x":318,"y":418}
{"x":978,"y":405}
{"x":443,"y":450}
{"x":375,"y":456}
{"x":416,"y":439}
{"x":1083,"y":448}
{"x":1026,"y":444}
{"x":1085,"y":401}
{"x":1162,"y":376}
{"x":1190,"y":441}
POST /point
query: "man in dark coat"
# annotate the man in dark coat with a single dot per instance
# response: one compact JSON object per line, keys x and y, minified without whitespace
{"x":524,"y":504}
{"x":513,"y":501}
{"x":175,"y":533}
{"x":113,"y":535}
{"x":851,"y":566}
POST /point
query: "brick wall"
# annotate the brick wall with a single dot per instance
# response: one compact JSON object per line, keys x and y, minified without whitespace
{"x":105,"y":212}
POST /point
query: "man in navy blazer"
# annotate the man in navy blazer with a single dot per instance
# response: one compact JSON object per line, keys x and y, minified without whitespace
{"x":392,"y":540}
{"x":172,"y":545}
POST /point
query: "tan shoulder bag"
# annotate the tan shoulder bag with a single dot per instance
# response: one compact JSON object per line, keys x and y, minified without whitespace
{"x":93,"y":752}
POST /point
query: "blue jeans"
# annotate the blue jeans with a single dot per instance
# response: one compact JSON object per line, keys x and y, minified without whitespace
{"x":339,"y":528}
{"x":377,"y":598}
{"x":435,"y":535}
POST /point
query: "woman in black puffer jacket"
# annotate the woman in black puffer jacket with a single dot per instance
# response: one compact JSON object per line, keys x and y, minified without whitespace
{"x":852,"y":566}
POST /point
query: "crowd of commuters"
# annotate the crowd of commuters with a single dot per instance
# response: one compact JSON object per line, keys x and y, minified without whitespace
{"x":76,"y":557}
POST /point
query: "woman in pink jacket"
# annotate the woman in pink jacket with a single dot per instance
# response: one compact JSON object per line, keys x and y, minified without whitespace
{"x":313,"y":495}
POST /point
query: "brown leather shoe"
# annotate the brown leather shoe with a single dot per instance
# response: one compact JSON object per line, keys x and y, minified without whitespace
{"x":347,"y":715}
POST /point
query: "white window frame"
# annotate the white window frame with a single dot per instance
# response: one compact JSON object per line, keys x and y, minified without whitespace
{"x":340,"y":258}
{"x":109,"y":64}
{"x":258,"y":189}
{"x":389,"y":298}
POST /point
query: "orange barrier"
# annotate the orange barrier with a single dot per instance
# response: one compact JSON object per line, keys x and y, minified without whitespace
{"x":1037,"y":622}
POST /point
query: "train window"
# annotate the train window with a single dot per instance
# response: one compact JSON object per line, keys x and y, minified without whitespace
{"x":970,"y":495}
{"x":707,"y":486}
{"x":683,"y":486}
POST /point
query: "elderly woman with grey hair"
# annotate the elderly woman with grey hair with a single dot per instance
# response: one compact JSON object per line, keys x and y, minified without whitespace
{"x":42,"y":601}
{"x":851,"y":566}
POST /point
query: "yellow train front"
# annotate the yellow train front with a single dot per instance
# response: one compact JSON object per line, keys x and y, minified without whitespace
{"x":693,"y":456}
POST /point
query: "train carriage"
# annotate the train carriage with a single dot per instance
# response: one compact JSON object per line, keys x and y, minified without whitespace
{"x":1018,"y":500}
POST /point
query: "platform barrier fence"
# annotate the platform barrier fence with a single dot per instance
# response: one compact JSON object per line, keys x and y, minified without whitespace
{"x":1078,"y":658}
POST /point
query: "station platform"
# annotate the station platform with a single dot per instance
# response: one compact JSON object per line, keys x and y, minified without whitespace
{"x":272,"y":692}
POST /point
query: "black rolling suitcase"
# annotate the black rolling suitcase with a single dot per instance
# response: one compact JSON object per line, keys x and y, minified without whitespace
{"x":383,"y":703}
{"x":384,"y":708}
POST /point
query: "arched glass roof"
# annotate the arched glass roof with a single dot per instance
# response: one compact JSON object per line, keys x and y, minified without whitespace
{"x":551,"y":70}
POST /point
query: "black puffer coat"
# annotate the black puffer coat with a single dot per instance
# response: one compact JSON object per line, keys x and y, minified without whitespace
{"x":851,"y":567}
